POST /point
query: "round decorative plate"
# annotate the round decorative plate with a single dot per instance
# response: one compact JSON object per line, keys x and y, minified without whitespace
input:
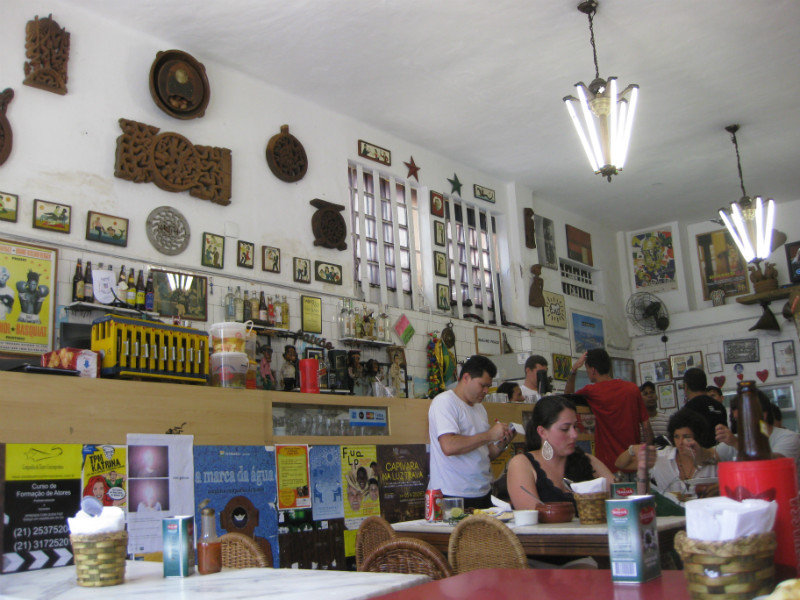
{"x":178,"y":85}
{"x":286,"y":156}
{"x":167,"y":230}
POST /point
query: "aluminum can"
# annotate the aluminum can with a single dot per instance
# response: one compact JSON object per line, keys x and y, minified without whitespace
{"x":433,"y":505}
{"x":178,"y":539}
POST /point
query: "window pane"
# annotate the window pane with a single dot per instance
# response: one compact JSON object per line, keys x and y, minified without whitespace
{"x":403,"y":233}
{"x":370,"y":227}
{"x":462,"y":255}
{"x":388,"y":255}
{"x":405,"y":261}
{"x":401,"y":193}
{"x":388,"y":233}
{"x":473,"y":239}
{"x":369,"y":188}
{"x":352,"y":173}
{"x":401,"y":216}
{"x":386,"y":210}
{"x":372,"y":251}
{"x":373,"y":275}
{"x":384,"y":187}
{"x":356,"y":227}
{"x":369,"y":205}
{"x":390,"y":278}
{"x":406,"y":281}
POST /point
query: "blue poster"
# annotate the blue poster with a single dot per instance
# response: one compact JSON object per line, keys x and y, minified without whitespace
{"x":587,"y":332}
{"x":326,"y":482}
{"x":240,"y":483}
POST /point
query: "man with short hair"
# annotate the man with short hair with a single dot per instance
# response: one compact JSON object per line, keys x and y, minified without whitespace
{"x":712,"y":411}
{"x":530,"y":388}
{"x":658,"y":419}
{"x":462,"y":442}
{"x":617,"y":406}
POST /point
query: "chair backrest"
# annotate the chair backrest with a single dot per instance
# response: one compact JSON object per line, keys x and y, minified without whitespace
{"x":483,"y":542}
{"x":372,"y":532}
{"x":243,"y":552}
{"x":407,"y":555}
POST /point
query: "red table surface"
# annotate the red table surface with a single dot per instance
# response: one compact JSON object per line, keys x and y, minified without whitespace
{"x":544,"y":584}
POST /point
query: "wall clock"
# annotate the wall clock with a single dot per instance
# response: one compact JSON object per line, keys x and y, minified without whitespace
{"x":286,"y":156}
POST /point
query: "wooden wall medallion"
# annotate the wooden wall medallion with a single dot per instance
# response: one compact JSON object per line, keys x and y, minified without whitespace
{"x":6,"y":137}
{"x":328,"y":225}
{"x":178,"y":85}
{"x":286,"y":156}
{"x":47,"y":51}
{"x":172,"y":162}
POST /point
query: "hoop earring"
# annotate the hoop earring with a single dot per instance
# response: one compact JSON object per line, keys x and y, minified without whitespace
{"x":547,"y":451}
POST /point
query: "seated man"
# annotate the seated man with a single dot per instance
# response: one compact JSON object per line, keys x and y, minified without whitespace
{"x":711,"y":410}
{"x":658,"y":419}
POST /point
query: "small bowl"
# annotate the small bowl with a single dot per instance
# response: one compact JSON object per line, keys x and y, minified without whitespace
{"x":556,"y":512}
{"x":526,"y":517}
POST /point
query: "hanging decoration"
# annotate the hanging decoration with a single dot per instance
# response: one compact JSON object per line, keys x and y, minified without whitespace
{"x":328,"y":225}
{"x":376,"y":153}
{"x":47,"y":51}
{"x":286,"y":156}
{"x":456,"y":185}
{"x":435,"y":384}
{"x":179,"y":85}
{"x":6,"y":135}
{"x":413,"y":169}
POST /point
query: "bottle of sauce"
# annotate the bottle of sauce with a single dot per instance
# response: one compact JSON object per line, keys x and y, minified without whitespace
{"x":209,"y":548}
{"x":77,"y":283}
{"x":88,"y":286}
{"x":753,"y":441}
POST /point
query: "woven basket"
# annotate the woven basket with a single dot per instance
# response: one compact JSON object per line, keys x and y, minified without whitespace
{"x":735,"y":570}
{"x":100,"y":558}
{"x":591,"y":507}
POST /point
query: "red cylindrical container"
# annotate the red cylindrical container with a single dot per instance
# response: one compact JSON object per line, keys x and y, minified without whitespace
{"x":433,"y":505}
{"x":309,"y":380}
{"x":774,"y":479}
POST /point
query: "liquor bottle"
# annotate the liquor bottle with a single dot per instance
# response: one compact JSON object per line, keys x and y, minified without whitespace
{"x":230,"y":307}
{"x":271,"y":311}
{"x":238,"y":303}
{"x":262,"y":309}
{"x":284,"y":313}
{"x":383,"y":325}
{"x":209,"y":548}
{"x":140,"y":293}
{"x":277,"y":311}
{"x":88,"y":287}
{"x":247,"y":313}
{"x":131,"y":294}
{"x":149,"y":293}
{"x":348,"y":319}
{"x":753,"y":441}
{"x":253,"y":304}
{"x":77,"y":283}
{"x":358,"y":322}
{"x":122,"y":289}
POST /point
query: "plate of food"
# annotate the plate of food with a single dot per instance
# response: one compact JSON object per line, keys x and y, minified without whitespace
{"x":496,"y":512}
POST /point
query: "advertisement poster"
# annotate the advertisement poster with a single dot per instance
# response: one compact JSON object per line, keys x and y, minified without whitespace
{"x":653,"y":257}
{"x":309,"y":544}
{"x":292,"y":462}
{"x":326,"y":482}
{"x":362,"y":490}
{"x":240,"y":484}
{"x":27,"y":302}
{"x":587,"y":332}
{"x":722,"y":266}
{"x":403,"y":476}
{"x":103,"y":474}
{"x":42,"y":489}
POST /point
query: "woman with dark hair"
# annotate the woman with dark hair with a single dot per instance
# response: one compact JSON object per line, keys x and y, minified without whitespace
{"x":537,"y":475}
{"x":512,"y":390}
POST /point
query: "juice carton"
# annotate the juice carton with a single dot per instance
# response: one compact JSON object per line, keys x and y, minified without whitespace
{"x":178,"y":539}
{"x":623,"y":490}
{"x":633,"y":539}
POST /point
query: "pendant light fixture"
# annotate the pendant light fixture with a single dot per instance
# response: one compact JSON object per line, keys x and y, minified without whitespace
{"x":749,"y":221}
{"x":607,"y":114}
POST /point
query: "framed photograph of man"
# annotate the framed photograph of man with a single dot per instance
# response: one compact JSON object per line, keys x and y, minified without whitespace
{"x":437,"y":204}
{"x":52,"y":216}
{"x":440,"y":264}
{"x":178,"y":294}
{"x":213,"y":250}
{"x":9,"y":204}
{"x":438,"y":233}
{"x":244,"y":254}
{"x":680,"y":362}
{"x":301,"y":269}
{"x":442,"y":297}
{"x":270,"y":259}
{"x":656,"y":371}
{"x":106,"y":229}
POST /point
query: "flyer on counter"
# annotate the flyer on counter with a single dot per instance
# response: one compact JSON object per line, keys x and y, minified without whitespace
{"x":293,"y":479}
{"x":104,"y":469}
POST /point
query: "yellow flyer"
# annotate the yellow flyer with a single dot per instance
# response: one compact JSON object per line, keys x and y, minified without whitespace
{"x":361,"y":484}
{"x":293,"y":489}
{"x":26,"y":462}
{"x":104,"y":468}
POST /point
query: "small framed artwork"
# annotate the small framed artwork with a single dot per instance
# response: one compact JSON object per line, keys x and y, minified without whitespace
{"x":623,"y":368}
{"x":52,"y":216}
{"x":579,"y":245}
{"x":440,"y":264}
{"x":442,"y":297}
{"x":783,"y":355}
{"x":680,"y":362}
{"x":270,"y":259}
{"x":740,"y":351}
{"x":301,"y":269}
{"x":213,"y":250}
{"x":314,"y":353}
{"x":666,"y":396}
{"x":181,"y":295}
{"x":106,"y":229}
{"x":713,"y":362}
{"x":555,"y":310}
{"x":545,"y":237}
{"x":792,"y":260}
{"x":373,"y":152}
{"x":437,"y":204}
{"x":438,"y":233}
{"x":562,"y":365}
{"x":311,"y":314}
{"x":680,"y":393}
{"x":656,"y":371}
{"x":483,"y":193}
{"x":587,"y":332}
{"x":244,"y":254}
{"x":9,"y":203}
{"x":327,"y":272}
{"x":488,"y":340}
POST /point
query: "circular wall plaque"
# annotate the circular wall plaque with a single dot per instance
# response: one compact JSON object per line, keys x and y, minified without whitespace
{"x":178,"y":85}
{"x":174,"y":162}
{"x":328,"y":225}
{"x":286,"y":156}
{"x":167,"y":230}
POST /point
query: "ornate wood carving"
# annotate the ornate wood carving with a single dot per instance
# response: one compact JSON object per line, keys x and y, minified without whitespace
{"x":47,"y":50}
{"x":172,"y":162}
{"x":6,"y":137}
{"x":179,"y":85}
{"x":286,"y":156}
{"x":328,"y":225}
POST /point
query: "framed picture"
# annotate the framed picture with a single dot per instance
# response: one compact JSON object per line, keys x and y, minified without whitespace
{"x":623,"y":368}
{"x":27,"y":297}
{"x":792,"y":259}
{"x":9,"y":204}
{"x":244,"y":254}
{"x":545,"y":236}
{"x":180,"y":294}
{"x":653,"y":264}
{"x":483,"y":193}
{"x":656,"y":371}
{"x":437,"y":204}
{"x":722,"y":266}
{"x":327,"y":272}
{"x":438,"y":233}
{"x":442,"y":297}
{"x":311,"y":314}
{"x":301,"y":269}
{"x":314,"y":353}
{"x":562,"y":365}
{"x":680,"y":362}
{"x":740,"y":351}
{"x":579,"y":245}
{"x":555,"y":310}
{"x":52,"y":216}
{"x":680,"y":393}
{"x":713,"y":362}
{"x":488,"y":340}
{"x":373,"y":152}
{"x":106,"y":229}
{"x":270,"y":259}
{"x":666,"y":396}
{"x":783,"y":355}
{"x":587,"y":332}
{"x":440,"y":264}
{"x":213,"y":250}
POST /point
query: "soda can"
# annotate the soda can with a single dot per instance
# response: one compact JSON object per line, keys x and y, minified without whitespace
{"x":433,"y":505}
{"x":178,"y":542}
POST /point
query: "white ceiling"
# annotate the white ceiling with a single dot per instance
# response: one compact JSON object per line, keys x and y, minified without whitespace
{"x":481,"y":82}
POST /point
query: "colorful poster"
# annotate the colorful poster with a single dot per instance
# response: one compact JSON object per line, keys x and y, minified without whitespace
{"x":103,"y":474}
{"x":27,"y":297}
{"x":722,"y":266}
{"x":42,"y":489}
{"x":403,"y":475}
{"x":362,"y":490}
{"x":241,"y":486}
{"x":587,"y":332}
{"x":653,"y":258}
{"x":293,"y":488}
{"x":325,"y":465}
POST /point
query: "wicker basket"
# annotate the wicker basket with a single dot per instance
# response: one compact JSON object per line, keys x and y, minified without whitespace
{"x":100,"y":558}
{"x":591,"y":507}
{"x":735,"y":570}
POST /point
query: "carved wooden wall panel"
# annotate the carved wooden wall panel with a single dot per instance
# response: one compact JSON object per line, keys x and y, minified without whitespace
{"x":47,"y":51}
{"x":6,"y":137}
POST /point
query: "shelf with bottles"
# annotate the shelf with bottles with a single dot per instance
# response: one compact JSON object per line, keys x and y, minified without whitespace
{"x":350,"y":341}
{"x":110,"y":308}
{"x":269,"y":314}
{"x":358,"y":324}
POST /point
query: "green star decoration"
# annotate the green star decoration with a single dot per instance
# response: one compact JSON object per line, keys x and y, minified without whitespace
{"x":456,"y":185}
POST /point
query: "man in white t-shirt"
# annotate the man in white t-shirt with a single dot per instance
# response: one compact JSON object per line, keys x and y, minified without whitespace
{"x":530,"y":388}
{"x":462,"y":443}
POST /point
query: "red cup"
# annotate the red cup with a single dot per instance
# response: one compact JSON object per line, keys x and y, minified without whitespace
{"x":309,"y":378}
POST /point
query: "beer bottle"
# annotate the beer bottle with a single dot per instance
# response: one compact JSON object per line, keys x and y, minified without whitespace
{"x":140,"y":293}
{"x":88,"y":288}
{"x":122,"y":289}
{"x":753,"y":441}
{"x":262,"y":308}
{"x":77,"y":283}
{"x":277,"y":311}
{"x":271,"y":312}
{"x":247,"y":308}
{"x":253,"y":304}
{"x":284,"y":313}
{"x":230,"y":307}
{"x":149,"y":293}
{"x":131,"y":295}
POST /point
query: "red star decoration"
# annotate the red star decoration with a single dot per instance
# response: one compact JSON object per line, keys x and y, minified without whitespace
{"x":413,"y":169}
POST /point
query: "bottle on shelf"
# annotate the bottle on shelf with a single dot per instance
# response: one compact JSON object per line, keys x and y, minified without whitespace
{"x":753,"y":441}
{"x":209,"y":548}
{"x":341,"y":318}
{"x":230,"y":306}
{"x":131,"y":294}
{"x":140,"y":293}
{"x":122,"y":289}
{"x":149,"y":293}
{"x":238,"y":303}
{"x":349,"y":322}
{"x":77,"y":283}
{"x":253,"y":304}
{"x":247,"y":308}
{"x":88,"y":287}
{"x":277,"y":311}
{"x":383,"y":325}
{"x":271,"y":312}
{"x":358,"y":322}
{"x":284,"y":313}
{"x":263,"y":314}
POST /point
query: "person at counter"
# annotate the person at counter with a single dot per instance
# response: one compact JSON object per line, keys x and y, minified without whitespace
{"x":530,"y":387}
{"x":462,"y":442}
{"x":512,"y":391}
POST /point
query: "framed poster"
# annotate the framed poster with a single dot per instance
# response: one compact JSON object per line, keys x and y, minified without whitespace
{"x":579,"y":245}
{"x":623,"y":368}
{"x":740,"y":351}
{"x":545,"y":235}
{"x":722,"y":266}
{"x":666,"y":396}
{"x":270,"y":259}
{"x":244,"y":254}
{"x":440,"y":264}
{"x":437,"y":204}
{"x":562,"y":365}
{"x":301,"y":269}
{"x":9,"y":204}
{"x":656,"y":371}
{"x":213,"y":250}
{"x":27,"y":302}
{"x":373,"y":152}
{"x":314,"y":353}
{"x":653,"y":260}
{"x":181,"y":295}
{"x":438,"y":233}
{"x":680,"y":362}
{"x":713,"y":362}
{"x":783,"y":356}
{"x":327,"y":272}
{"x":488,"y":340}
{"x":587,"y":332}
{"x":555,"y":310}
{"x":483,"y":193}
{"x":442,"y":297}
{"x":311,"y":314}
{"x":792,"y":258}
{"x":52,"y":216}
{"x":106,"y":229}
